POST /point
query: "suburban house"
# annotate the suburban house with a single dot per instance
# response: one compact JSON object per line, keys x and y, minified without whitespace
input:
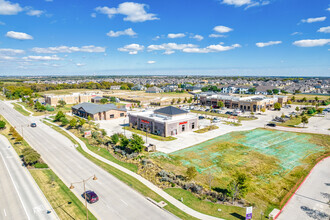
{"x":154,"y":89}
{"x":96,"y":99}
{"x":99,"y":112}
{"x":167,"y":121}
{"x":138,"y":88}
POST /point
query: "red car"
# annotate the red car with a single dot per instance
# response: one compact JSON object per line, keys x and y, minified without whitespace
{"x":91,"y":196}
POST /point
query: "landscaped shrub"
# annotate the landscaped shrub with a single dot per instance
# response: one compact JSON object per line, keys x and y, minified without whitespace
{"x":40,"y":165}
{"x":2,"y":124}
{"x":50,"y":108}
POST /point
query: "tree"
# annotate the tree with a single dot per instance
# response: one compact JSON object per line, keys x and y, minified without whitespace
{"x":275,"y":91}
{"x":297,"y":109}
{"x":73,"y":122}
{"x":293,"y":98}
{"x":173,"y":101}
{"x":185,"y":100}
{"x":31,"y":102}
{"x":2,"y":124}
{"x":89,"y":118}
{"x":304,"y":120}
{"x":124,"y":141}
{"x":263,"y":109}
{"x":320,"y":110}
{"x":136,"y":143}
{"x":238,"y":187}
{"x":59,"y":116}
{"x":115,"y":139}
{"x":269,"y":92}
{"x":316,"y":98}
{"x":19,"y":138}
{"x":277,"y":106}
{"x":190,"y":100}
{"x":61,"y":103}
{"x":30,"y":156}
{"x":289,"y":102}
{"x":282,"y":116}
{"x":304,"y":99}
{"x":252,"y":90}
{"x":220,"y":104}
{"x":179,"y":100}
{"x":82,"y":121}
{"x":112,"y":99}
{"x":191,"y":173}
{"x":64,"y":121}
{"x":209,"y":179}
{"x":103,"y":101}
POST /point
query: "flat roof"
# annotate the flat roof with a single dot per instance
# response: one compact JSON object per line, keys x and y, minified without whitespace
{"x":163,"y":119}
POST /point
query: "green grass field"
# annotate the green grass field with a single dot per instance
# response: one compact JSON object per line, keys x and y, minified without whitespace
{"x":20,"y":109}
{"x":153,"y":136}
{"x":273,"y":161}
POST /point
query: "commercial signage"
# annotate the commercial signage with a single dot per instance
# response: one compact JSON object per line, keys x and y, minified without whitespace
{"x":248,"y":213}
{"x":144,"y":121}
{"x":182,"y":123}
{"x":87,"y":133}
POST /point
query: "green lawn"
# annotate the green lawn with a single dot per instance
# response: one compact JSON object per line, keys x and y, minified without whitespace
{"x":206,"y":129}
{"x":209,"y":208}
{"x":20,"y":109}
{"x":222,"y":115}
{"x":66,"y":108}
{"x":156,"y":137}
{"x":63,"y":201}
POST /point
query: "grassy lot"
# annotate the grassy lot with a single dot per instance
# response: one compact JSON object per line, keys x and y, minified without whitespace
{"x":66,"y":108}
{"x":206,"y":129}
{"x":222,"y":115}
{"x":227,"y":212}
{"x":232,"y":123}
{"x":153,"y":136}
{"x":273,"y":161}
{"x":20,"y":109}
{"x":293,"y":122}
{"x":63,"y":201}
{"x":65,"y":91}
{"x":308,"y":97}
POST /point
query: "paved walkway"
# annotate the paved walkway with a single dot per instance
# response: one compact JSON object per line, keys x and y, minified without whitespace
{"x":311,"y":200}
{"x":150,"y":185}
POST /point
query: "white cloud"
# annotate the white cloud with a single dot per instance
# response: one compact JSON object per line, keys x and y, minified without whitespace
{"x":80,"y":64}
{"x":132,"y":48}
{"x":324,"y":29}
{"x":134,"y":12}
{"x":311,"y":43}
{"x":36,"y":13}
{"x":8,"y":8}
{"x":236,"y":2}
{"x":42,"y":58}
{"x":19,"y":35}
{"x":269,"y":43}
{"x":170,"y":48}
{"x":197,"y":37}
{"x":4,"y":57}
{"x":255,"y":4}
{"x":179,"y":35}
{"x":296,"y":33}
{"x":66,"y":49}
{"x":9,"y":51}
{"x":211,"y":48}
{"x":93,"y":15}
{"x":222,"y":29}
{"x":2,"y":23}
{"x":128,"y":32}
{"x":312,"y":20}
{"x":328,"y":9}
{"x":216,"y":35}
{"x":151,"y":62}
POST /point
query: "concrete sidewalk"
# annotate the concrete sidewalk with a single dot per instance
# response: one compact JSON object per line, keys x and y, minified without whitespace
{"x":150,"y":185}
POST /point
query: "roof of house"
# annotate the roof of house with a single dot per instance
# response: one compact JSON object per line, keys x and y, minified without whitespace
{"x":94,"y":108}
{"x":170,"y":110}
{"x":97,"y":98}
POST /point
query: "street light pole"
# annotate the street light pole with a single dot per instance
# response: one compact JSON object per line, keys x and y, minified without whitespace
{"x":124,"y":128}
{"x":84,"y":184}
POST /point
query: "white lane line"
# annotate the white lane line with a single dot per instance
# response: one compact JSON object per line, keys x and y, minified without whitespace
{"x":124,"y":202}
{"x":19,"y":196}
{"x":4,"y":210}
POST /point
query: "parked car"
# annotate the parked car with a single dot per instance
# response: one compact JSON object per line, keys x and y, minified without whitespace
{"x":201,"y":117}
{"x":33,"y":125}
{"x":91,"y":196}
{"x":216,"y":120}
{"x":228,"y":113}
{"x":271,"y":124}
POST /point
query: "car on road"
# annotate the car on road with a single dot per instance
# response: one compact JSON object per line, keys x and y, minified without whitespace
{"x":33,"y":125}
{"x":91,"y":196}
{"x":271,"y":124}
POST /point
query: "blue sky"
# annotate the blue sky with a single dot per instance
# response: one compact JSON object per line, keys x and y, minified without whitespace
{"x":216,"y":37}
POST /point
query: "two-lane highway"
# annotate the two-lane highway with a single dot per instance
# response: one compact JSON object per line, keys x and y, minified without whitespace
{"x":117,"y":200}
{"x":20,"y":197}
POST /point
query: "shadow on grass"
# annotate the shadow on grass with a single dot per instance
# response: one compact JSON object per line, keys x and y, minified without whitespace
{"x":238,"y":216}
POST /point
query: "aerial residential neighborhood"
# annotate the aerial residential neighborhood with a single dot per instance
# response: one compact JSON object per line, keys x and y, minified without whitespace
{"x":161,"y":110}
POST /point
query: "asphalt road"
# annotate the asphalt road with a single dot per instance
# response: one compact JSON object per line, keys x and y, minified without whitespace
{"x":117,"y":200}
{"x":20,"y":196}
{"x":311,"y":201}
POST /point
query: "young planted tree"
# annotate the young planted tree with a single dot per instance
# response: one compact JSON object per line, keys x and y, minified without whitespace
{"x":103,"y":101}
{"x":304,"y":120}
{"x":293,"y":99}
{"x":297,"y":109}
{"x":61,"y":103}
{"x":73,"y":122}
{"x":64,"y":121}
{"x":82,"y":121}
{"x":59,"y":116}
{"x":179,"y":100}
{"x":220,"y":104}
{"x":136,"y":143}
{"x":115,"y":139}
{"x":277,"y":106}
{"x":2,"y":125}
{"x":238,"y":187}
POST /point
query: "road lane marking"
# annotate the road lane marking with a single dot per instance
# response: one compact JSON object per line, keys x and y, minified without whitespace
{"x":19,"y":196}
{"x":124,"y":202}
{"x":4,"y":210}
